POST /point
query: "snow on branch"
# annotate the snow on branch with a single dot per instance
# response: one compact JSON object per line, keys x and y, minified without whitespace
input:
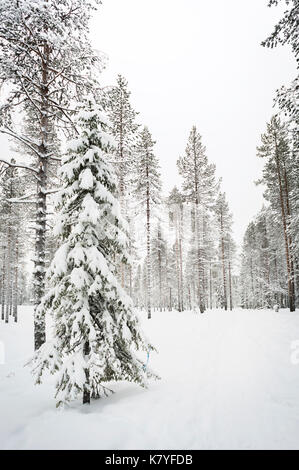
{"x":16,"y":165}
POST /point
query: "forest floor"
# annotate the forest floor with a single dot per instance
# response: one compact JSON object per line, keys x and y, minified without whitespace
{"x":227,"y":382}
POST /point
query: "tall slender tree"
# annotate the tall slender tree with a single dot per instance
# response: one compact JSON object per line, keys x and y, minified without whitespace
{"x":148,"y":191}
{"x":275,"y":149}
{"x":199,"y":188}
{"x":224,"y":222}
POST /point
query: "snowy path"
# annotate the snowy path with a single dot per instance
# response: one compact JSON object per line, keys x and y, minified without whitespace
{"x":227,"y":382}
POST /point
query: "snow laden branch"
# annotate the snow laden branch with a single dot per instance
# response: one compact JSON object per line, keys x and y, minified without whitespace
{"x":15,"y":165}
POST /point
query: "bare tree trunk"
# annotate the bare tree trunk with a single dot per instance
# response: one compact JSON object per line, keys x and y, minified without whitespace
{"x":199,"y":261}
{"x":3,"y":284}
{"x":252,"y":283}
{"x":189,"y":297}
{"x":8,"y":273}
{"x":181,"y":275}
{"x":223,"y":263}
{"x":121,"y":181}
{"x":15,"y":291}
{"x":284,"y":224}
{"x":41,"y":209}
{"x":11,"y":288}
{"x":160,"y":269}
{"x":230,"y":284}
{"x":292,"y":271}
{"x":211,"y":287}
{"x":177,"y":271}
{"x":86,"y":388}
{"x":148,"y":261}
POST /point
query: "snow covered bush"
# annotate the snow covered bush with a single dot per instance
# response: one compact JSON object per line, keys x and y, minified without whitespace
{"x":96,"y":332}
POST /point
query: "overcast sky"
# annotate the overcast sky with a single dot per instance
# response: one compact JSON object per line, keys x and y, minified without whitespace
{"x":199,"y":62}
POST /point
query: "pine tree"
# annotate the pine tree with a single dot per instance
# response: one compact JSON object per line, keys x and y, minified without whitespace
{"x":124,"y":129}
{"x":199,"y":187}
{"x":175,"y":203}
{"x":158,"y":255}
{"x":147,"y":191}
{"x":95,"y":328}
{"x":263,"y":276}
{"x":122,"y":117}
{"x":224,"y":222}
{"x":276,"y":176}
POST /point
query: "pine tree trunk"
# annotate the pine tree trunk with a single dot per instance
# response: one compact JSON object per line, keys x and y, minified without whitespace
{"x":252,"y":283}
{"x":177,"y":273}
{"x":148,"y":261}
{"x":223,"y":263}
{"x":292,"y":271}
{"x":196,"y":214}
{"x":121,"y":183}
{"x":211,"y":287}
{"x":160,"y":270}
{"x":230,"y":285}
{"x":86,"y":388}
{"x":199,"y":260}
{"x":284,"y":224}
{"x":3,"y":284}
{"x":15,"y":291}
{"x":181,"y":275}
{"x":11,"y":290}
{"x":8,"y":273}
{"x":41,"y":209}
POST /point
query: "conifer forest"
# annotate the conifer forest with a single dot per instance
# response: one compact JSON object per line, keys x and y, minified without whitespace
{"x":147,"y":301}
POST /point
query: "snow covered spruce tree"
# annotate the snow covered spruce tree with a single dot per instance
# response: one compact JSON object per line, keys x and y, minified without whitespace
{"x":95,"y":329}
{"x":147,"y":190}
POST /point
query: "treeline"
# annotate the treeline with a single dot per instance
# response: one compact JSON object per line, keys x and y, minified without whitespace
{"x":270,"y":258}
{"x":181,"y":249}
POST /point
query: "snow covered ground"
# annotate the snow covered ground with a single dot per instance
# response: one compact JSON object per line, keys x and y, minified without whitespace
{"x":227,"y":382}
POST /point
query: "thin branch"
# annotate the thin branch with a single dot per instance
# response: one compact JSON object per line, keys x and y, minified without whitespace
{"x":16,"y":165}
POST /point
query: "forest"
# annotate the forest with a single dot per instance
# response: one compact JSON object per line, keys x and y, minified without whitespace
{"x":89,"y":237}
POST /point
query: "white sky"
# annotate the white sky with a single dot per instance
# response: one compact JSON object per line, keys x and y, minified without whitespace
{"x":199,"y":62}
